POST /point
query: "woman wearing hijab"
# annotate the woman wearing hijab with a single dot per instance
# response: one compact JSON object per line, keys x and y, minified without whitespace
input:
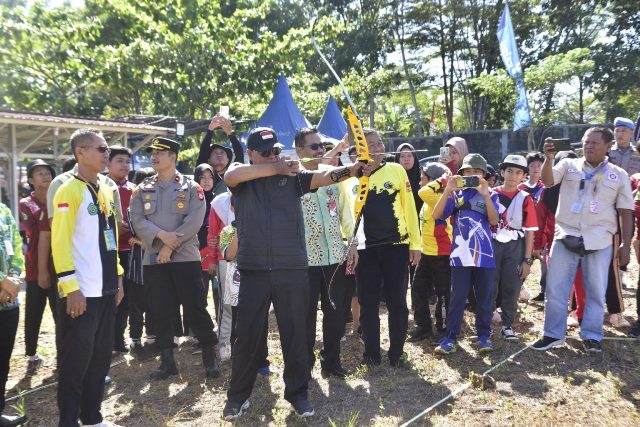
{"x":406,"y":156}
{"x":457,"y":151}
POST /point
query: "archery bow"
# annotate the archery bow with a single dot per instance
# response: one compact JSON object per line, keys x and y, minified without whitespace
{"x":362,"y":150}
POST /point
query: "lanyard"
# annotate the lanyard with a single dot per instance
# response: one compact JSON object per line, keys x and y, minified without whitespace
{"x":101,"y":205}
{"x":596,"y":175}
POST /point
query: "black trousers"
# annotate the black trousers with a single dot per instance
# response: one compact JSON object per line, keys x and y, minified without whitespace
{"x":333,"y":315}
{"x":8,"y":327}
{"x":613,"y":295}
{"x":140,"y":310}
{"x":173,"y":284}
{"x":122,"y":315}
{"x":432,"y":277}
{"x":86,"y":344}
{"x":289,"y":292}
{"x":35,"y":303}
{"x":383,"y":267}
{"x":206,"y":279}
{"x":264,"y":352}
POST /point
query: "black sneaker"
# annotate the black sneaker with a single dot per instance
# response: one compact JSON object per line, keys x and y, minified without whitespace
{"x":402,"y":362}
{"x":370,"y":362}
{"x":508,"y":334}
{"x":233,"y":410}
{"x":303,"y":408}
{"x":539,"y":297}
{"x":32,"y":367}
{"x":12,"y":420}
{"x":635,"y":330}
{"x":419,"y":333}
{"x":120,"y":348}
{"x":592,"y":346}
{"x":334,"y":370}
{"x":545,"y":343}
{"x":140,"y":352}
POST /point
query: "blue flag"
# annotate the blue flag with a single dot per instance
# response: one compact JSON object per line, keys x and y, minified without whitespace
{"x":509,"y":54}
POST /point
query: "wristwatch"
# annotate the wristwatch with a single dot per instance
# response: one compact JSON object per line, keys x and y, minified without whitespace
{"x":528,"y":260}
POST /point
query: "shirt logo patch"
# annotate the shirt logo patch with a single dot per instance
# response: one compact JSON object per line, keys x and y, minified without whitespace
{"x":92,"y":209}
{"x":180,"y":205}
{"x":63,"y":207}
{"x":147,"y":206}
{"x":282,"y":182}
{"x":388,"y":185}
{"x":612,"y":177}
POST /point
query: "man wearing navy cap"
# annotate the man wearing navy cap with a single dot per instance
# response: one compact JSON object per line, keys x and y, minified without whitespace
{"x":623,"y":154}
{"x":273,"y":265}
{"x":166,"y":212}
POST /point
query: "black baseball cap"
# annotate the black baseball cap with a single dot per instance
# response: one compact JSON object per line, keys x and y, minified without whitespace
{"x":161,"y":143}
{"x":39,"y":162}
{"x":262,"y":139}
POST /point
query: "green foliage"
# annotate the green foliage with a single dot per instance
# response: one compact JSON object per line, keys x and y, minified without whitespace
{"x":185,"y":58}
{"x":549,"y":72}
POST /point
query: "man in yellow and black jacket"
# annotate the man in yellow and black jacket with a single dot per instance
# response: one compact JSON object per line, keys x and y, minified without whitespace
{"x":84,"y":248}
{"x":392,"y":243}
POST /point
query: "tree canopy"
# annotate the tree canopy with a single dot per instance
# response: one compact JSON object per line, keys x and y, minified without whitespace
{"x":400,"y":59}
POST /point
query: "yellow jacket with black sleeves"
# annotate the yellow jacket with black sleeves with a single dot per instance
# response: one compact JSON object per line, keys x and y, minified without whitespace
{"x":389,"y":215}
{"x":84,"y":239}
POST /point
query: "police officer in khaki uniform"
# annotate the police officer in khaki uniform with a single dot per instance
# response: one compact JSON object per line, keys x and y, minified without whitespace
{"x":166,"y":212}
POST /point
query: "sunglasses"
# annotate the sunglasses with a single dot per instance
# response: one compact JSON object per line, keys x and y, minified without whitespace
{"x":275,"y":151}
{"x":315,"y":146}
{"x":101,"y":149}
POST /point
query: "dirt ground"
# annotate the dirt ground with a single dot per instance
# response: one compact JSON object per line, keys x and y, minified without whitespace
{"x":565,"y":386}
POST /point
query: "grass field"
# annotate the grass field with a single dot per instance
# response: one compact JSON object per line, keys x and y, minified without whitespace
{"x":565,"y":386}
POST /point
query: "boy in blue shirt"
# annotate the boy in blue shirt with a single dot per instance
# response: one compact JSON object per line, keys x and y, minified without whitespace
{"x":474,"y":211}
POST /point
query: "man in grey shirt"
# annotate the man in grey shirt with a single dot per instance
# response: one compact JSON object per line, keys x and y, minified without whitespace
{"x":166,"y":212}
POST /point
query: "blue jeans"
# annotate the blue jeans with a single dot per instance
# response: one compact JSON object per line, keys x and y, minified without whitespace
{"x":562,"y":270}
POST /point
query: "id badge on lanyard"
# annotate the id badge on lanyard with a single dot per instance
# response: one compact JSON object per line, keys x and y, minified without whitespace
{"x":110,"y":238}
{"x":594,"y":204}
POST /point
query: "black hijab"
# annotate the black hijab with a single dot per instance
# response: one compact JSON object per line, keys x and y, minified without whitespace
{"x":413,"y":173}
{"x":208,"y":196}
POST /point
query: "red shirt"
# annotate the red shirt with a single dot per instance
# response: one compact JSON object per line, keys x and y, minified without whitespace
{"x":125,"y":188}
{"x":212,"y":254}
{"x":33,"y":219}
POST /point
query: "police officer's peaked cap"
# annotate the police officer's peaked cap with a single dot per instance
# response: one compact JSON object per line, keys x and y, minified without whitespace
{"x":161,"y":143}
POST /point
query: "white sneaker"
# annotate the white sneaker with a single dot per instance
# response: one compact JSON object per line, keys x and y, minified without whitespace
{"x":225,"y":352}
{"x":102,"y":424}
{"x":617,"y":320}
{"x":524,"y":294}
{"x":508,"y":334}
{"x":496,"y":318}
{"x":572,"y":320}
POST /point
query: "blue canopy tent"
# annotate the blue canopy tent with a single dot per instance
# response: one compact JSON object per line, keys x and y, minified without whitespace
{"x":332,"y":124}
{"x":283,"y":115}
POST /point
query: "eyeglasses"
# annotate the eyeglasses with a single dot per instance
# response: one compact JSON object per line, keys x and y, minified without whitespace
{"x":315,"y":146}
{"x":275,"y":151}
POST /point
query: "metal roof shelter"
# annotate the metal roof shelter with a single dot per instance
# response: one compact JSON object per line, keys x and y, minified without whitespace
{"x":29,"y":135}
